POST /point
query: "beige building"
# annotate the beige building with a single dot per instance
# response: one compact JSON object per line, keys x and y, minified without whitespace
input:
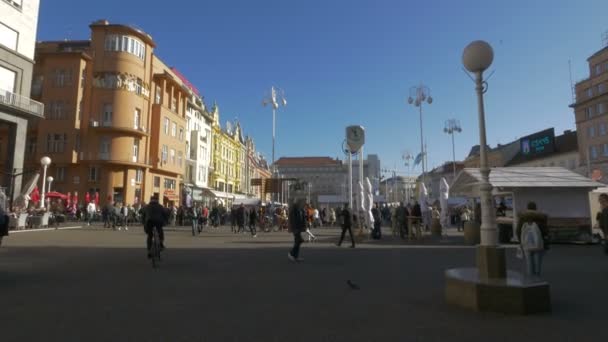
{"x":115,"y":116}
{"x":590,"y":109}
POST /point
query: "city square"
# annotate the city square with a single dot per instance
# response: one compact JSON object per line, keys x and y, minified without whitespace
{"x":97,"y":285}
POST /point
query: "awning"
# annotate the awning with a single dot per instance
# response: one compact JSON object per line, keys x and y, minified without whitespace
{"x":223,"y":195}
{"x":506,"y":179}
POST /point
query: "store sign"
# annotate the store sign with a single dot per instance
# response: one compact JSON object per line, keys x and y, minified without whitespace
{"x":538,"y":143}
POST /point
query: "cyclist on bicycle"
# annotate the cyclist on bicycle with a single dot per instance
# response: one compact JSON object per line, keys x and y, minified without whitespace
{"x":155,"y":216}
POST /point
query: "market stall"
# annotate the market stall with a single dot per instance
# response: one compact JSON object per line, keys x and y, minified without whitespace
{"x":560,"y":193}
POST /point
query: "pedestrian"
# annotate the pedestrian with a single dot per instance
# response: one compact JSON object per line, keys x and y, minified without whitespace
{"x":253,"y":217}
{"x":377,"y":231}
{"x":297,"y":223}
{"x":534,"y":238}
{"x":233,"y":221}
{"x":240,"y":218}
{"x":194,"y":220}
{"x":116,"y":216}
{"x":332,"y":217}
{"x":395,"y":220}
{"x":124,"y":216}
{"x":90,"y":212}
{"x":402,"y":219}
{"x":310,"y":222}
{"x":155,"y":216}
{"x":173,"y":215}
{"x":603,"y":219}
{"x":347,"y":222}
{"x":465,"y":217}
{"x":316,"y":218}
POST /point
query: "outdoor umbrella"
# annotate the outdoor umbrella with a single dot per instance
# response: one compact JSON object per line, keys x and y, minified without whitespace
{"x":55,"y":194}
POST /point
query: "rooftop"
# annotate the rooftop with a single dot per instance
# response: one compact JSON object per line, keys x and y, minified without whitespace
{"x":565,"y":143}
{"x":185,"y":81}
{"x":307,"y":161}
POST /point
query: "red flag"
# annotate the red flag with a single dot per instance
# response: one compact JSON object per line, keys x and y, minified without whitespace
{"x":96,"y":198}
{"x":35,"y":195}
{"x":87,"y":197}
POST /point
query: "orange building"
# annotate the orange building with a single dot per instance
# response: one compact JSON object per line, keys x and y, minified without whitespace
{"x":115,"y":116}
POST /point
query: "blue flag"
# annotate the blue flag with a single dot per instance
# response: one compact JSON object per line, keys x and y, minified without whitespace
{"x":418,"y":159}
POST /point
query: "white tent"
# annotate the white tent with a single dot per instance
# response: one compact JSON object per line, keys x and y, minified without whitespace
{"x":558,"y":192}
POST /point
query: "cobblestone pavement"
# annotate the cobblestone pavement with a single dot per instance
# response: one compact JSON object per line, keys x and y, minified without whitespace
{"x":92,"y":284}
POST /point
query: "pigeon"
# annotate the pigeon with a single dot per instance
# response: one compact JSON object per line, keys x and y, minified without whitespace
{"x":352,"y":285}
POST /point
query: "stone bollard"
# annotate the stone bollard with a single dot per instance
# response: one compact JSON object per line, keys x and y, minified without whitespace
{"x":436,"y":227}
{"x":472,"y":233}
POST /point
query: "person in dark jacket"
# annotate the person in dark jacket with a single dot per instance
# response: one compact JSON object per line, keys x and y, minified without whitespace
{"x":240,"y":218}
{"x":347,"y":224}
{"x":603,"y":219}
{"x":377,"y":232}
{"x":297,"y":223}
{"x":155,"y":216}
{"x":253,"y":218}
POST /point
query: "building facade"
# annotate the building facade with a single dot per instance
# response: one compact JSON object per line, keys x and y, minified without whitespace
{"x":561,"y":150}
{"x":18,"y":24}
{"x":324,"y":175}
{"x":398,"y":189}
{"x":115,"y":119}
{"x":590,"y":113}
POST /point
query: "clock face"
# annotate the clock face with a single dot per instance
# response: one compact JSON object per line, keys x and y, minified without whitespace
{"x":355,"y":137}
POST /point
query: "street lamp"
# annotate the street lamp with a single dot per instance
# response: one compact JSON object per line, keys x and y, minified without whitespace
{"x":276,"y":98}
{"x":45,"y":162}
{"x":453,"y":126}
{"x":50,"y":179}
{"x":419,"y":94}
{"x":477,"y":57}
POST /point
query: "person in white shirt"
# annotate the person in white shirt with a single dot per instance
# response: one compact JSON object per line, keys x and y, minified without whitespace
{"x":90,"y":212}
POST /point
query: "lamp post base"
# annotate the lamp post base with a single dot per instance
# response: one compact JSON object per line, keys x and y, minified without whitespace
{"x":491,"y":262}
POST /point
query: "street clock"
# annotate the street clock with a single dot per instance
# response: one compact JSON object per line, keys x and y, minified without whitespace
{"x":355,"y":137}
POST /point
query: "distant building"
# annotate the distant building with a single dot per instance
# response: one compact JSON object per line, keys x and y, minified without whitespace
{"x":325,"y":176}
{"x":560,"y":150}
{"x":590,"y":114}
{"x":397,"y":189}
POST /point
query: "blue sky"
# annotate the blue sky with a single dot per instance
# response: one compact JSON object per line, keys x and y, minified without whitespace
{"x":346,"y":62}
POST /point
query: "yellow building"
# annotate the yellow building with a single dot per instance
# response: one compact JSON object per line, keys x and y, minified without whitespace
{"x":225,"y":177}
{"x":115,"y":117}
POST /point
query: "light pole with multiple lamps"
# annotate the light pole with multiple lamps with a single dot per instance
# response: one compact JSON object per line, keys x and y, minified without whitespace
{"x":45,"y":162}
{"x":418,"y":95}
{"x":276,"y":98}
{"x":452,"y":126}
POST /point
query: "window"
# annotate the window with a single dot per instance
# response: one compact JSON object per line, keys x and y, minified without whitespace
{"x":30,"y":148}
{"x":164,"y":154}
{"x":179,"y":158}
{"x":60,"y":174}
{"x":589,"y":92}
{"x":63,"y":77}
{"x":605,"y":150}
{"x":104,"y":148}
{"x":181,"y":134}
{"x":593,"y":152}
{"x":172,"y":155}
{"x":8,"y":37}
{"x":600,"y":108}
{"x":602,"y":128}
{"x":156,"y":181}
{"x":591,"y":131}
{"x":138,"y":86}
{"x":139,"y":175}
{"x":589,"y":112}
{"x":135,"y":150}
{"x":56,"y":110}
{"x":107,"y":114}
{"x":173,"y":129}
{"x":166,"y":126}
{"x":169,"y":183}
{"x":598,"y":69}
{"x":157,"y":95}
{"x":93,"y":173}
{"x":56,"y":143}
{"x":601,"y":88}
{"x":136,"y":118}
{"x":37,"y":81}
{"x":125,"y":44}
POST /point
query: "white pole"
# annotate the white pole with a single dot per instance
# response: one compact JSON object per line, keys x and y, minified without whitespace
{"x":42,"y":204}
{"x":350,"y":180}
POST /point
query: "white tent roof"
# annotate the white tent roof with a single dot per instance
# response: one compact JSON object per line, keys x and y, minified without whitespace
{"x":505,"y":179}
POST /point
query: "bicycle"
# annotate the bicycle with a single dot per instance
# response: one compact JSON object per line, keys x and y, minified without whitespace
{"x":155,"y":248}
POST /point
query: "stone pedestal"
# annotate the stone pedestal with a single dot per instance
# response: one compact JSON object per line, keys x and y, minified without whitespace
{"x":514,"y":294}
{"x":472,"y":233}
{"x":491,"y":262}
{"x":436,"y":227}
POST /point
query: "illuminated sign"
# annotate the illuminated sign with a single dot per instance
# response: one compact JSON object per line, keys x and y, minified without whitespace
{"x":538,"y":143}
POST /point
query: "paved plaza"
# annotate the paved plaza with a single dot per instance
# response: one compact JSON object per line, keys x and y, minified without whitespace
{"x":91,"y":284}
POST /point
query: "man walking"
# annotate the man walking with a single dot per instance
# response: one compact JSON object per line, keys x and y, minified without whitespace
{"x":347,"y":222}
{"x":90,"y":212}
{"x":240,"y":218}
{"x":297,"y":222}
{"x":253,"y":217}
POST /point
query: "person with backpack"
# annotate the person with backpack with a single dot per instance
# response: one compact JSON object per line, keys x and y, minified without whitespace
{"x":533,"y":237}
{"x":603,"y":219}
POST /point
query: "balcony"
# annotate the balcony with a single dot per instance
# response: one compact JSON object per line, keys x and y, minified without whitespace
{"x":21,"y":103}
{"x":106,"y":157}
{"x":104,"y":126}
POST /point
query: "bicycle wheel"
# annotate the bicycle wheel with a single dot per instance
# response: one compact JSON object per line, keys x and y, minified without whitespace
{"x":155,"y":248}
